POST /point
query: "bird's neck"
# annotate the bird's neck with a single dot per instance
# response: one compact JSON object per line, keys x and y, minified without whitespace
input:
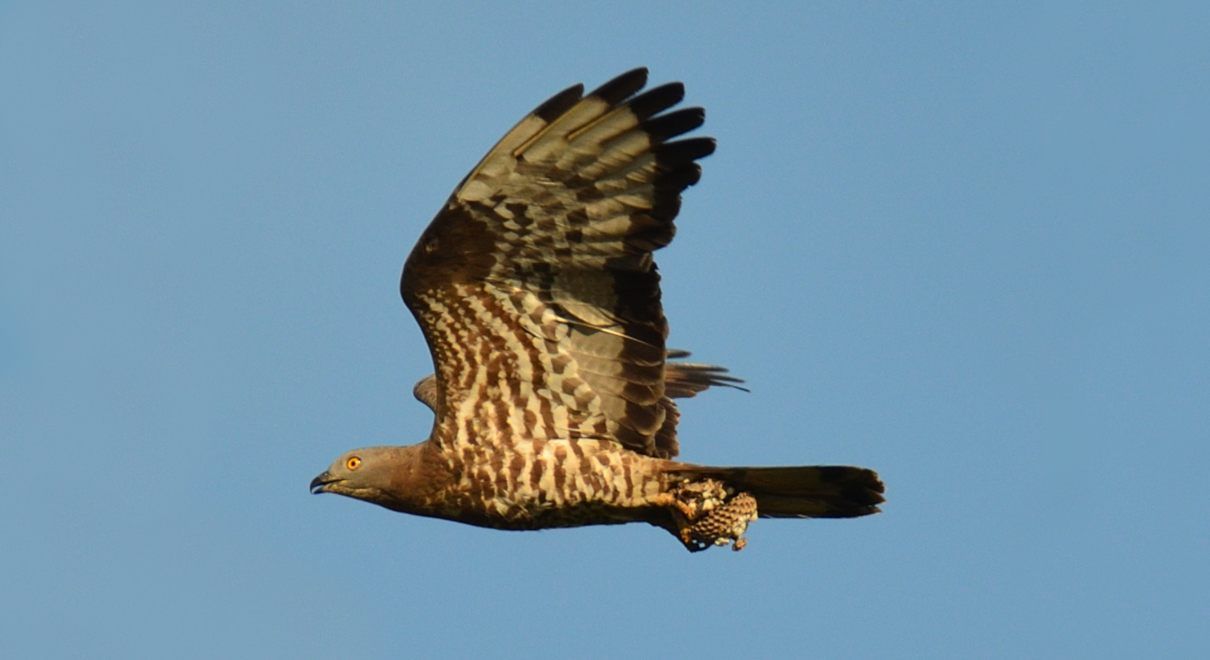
{"x":418,"y":475}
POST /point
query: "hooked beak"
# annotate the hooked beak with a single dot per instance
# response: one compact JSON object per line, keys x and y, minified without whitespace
{"x":320,"y":484}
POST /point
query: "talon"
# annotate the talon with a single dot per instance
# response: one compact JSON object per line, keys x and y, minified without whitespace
{"x":685,"y":509}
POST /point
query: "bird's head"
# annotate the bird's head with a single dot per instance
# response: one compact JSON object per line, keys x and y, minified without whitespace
{"x":365,"y":474}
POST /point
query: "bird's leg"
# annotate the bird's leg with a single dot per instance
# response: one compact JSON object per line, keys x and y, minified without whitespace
{"x":670,"y":500}
{"x":682,"y":516}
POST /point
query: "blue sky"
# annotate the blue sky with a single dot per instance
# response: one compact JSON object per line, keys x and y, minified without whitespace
{"x":962,"y":243}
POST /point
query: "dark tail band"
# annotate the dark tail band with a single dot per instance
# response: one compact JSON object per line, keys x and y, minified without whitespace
{"x":816,"y":491}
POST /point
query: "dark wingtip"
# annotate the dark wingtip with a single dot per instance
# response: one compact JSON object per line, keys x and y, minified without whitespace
{"x":668,"y":126}
{"x":685,"y":150}
{"x":621,"y":87}
{"x":657,"y":99}
{"x":559,"y":103}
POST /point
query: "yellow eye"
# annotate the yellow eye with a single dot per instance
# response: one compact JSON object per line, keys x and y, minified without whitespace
{"x":352,"y":462}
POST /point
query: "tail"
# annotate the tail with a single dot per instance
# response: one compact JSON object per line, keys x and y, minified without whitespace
{"x":818,"y":491}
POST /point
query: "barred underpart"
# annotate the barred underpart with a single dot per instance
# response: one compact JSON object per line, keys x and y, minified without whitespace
{"x":709,"y":513}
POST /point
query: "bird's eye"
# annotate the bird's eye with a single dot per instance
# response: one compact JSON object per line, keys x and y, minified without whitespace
{"x":352,"y":462}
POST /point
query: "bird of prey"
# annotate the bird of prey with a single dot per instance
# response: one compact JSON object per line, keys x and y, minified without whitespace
{"x":539,"y":299}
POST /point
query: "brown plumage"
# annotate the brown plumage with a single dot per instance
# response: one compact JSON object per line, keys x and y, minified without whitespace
{"x":553,"y":389}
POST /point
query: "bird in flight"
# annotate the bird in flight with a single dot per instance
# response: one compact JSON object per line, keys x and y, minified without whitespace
{"x":553,"y":392}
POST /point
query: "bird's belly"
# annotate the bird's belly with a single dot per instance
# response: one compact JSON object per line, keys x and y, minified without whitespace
{"x":555,"y":483}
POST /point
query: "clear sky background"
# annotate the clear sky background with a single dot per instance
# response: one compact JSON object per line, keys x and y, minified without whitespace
{"x":963,"y":243}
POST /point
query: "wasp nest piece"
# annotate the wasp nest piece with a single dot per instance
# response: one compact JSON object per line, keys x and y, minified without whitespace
{"x":710,"y":513}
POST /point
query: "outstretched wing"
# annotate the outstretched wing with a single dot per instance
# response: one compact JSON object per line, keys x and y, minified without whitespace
{"x":535,"y":285}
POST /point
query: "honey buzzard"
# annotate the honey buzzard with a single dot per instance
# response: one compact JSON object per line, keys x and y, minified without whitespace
{"x":538,"y":296}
